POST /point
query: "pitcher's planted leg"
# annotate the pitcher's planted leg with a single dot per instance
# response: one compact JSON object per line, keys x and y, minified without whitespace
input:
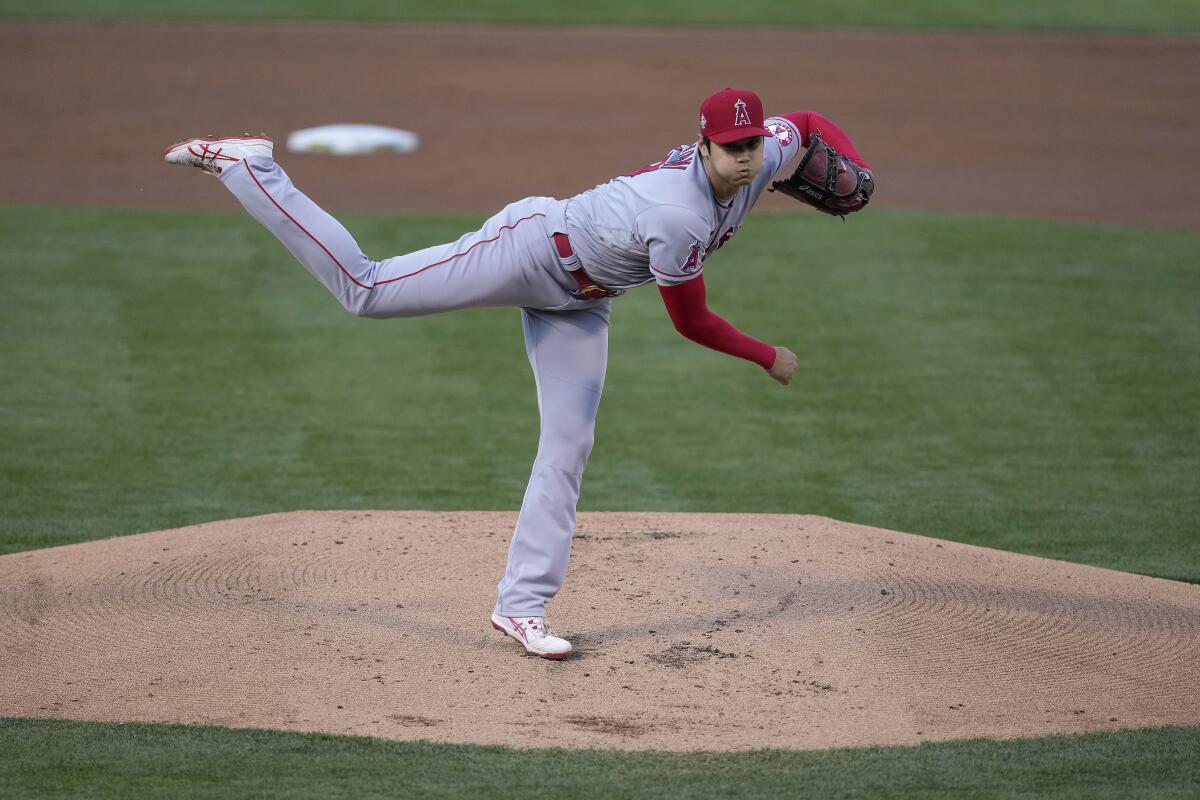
{"x":569,"y":353}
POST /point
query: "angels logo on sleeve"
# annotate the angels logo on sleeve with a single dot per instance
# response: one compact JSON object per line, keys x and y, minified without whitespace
{"x":781,"y":131}
{"x":695,"y":259}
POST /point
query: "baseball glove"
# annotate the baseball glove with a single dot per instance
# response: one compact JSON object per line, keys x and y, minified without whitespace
{"x":828,"y":181}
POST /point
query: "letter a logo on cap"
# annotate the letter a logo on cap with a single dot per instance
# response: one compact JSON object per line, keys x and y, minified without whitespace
{"x":740,"y":117}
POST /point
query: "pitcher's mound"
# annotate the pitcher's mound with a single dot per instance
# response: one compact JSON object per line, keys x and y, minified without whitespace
{"x":691,"y":631}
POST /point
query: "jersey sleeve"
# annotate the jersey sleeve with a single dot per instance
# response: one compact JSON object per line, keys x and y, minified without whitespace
{"x":781,"y":146}
{"x":810,"y":122}
{"x":676,"y":238}
{"x":688,"y":307}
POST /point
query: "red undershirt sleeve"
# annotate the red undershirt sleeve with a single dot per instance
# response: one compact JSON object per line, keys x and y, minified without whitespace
{"x":808,"y":122}
{"x":687,"y":305}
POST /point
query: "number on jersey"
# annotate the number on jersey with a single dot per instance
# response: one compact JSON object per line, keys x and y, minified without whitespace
{"x":679,"y":158}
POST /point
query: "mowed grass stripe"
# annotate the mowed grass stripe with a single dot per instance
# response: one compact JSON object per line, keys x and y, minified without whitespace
{"x":94,"y":760}
{"x":1016,"y":384}
{"x":1150,"y":16}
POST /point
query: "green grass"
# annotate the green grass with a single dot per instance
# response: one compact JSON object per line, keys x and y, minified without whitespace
{"x":95,"y":760}
{"x":1029,"y":386}
{"x":1147,"y":16}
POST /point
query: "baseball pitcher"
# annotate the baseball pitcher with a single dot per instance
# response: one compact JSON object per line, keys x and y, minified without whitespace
{"x":562,"y":263}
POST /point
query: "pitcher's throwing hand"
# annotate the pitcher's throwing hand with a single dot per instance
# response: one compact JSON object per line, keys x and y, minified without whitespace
{"x":784,"y":366}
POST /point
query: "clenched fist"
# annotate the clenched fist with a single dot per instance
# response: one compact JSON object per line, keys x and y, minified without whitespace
{"x":784,"y":366}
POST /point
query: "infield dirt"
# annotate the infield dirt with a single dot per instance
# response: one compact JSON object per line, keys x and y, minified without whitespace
{"x":692,"y":632}
{"x":1088,"y":128}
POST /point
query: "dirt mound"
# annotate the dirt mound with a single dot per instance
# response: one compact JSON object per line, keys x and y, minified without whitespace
{"x":692,"y":631}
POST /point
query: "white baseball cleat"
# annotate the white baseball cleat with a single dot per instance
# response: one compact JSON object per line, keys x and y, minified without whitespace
{"x":215,"y":153}
{"x":534,"y":634}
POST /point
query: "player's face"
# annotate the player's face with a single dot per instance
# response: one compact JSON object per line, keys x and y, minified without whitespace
{"x":734,"y":165}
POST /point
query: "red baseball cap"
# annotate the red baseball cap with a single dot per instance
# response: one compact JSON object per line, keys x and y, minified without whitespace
{"x":732,"y":114}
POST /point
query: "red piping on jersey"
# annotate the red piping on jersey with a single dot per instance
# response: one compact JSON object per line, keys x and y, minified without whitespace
{"x":463,"y":253}
{"x":369,"y":287}
{"x":687,"y":305}
{"x":301,"y":227}
{"x":665,"y":274}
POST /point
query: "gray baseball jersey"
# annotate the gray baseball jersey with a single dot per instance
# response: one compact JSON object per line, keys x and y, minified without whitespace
{"x":660,"y":222}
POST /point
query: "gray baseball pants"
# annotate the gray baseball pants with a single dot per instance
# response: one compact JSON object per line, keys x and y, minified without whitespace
{"x":510,"y":261}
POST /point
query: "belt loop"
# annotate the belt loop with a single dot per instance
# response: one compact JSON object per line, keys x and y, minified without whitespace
{"x":566,"y":254}
{"x":563,"y":245}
